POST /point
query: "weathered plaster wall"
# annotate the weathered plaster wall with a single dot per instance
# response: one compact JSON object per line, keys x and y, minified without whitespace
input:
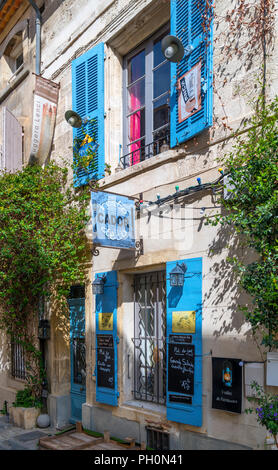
{"x":71,"y":29}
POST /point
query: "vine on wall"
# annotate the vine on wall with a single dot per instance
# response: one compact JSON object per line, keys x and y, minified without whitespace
{"x":42,"y":252}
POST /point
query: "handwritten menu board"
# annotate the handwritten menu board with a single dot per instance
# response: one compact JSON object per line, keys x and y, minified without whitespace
{"x":181,"y":357}
{"x":105,"y":361}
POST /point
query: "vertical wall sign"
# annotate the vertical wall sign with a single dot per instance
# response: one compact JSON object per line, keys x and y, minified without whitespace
{"x":44,"y":117}
{"x":113,"y":220}
{"x":226,"y":384}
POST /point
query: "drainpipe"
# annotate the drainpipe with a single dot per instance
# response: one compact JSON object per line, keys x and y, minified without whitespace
{"x":38,"y":36}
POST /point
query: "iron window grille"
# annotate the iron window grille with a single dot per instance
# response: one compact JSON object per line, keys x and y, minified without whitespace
{"x":18,"y":369}
{"x":150,"y":337}
{"x":157,"y":439}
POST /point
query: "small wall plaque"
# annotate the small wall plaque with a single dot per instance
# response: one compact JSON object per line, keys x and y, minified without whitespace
{"x":105,"y":321}
{"x":183,"y":322}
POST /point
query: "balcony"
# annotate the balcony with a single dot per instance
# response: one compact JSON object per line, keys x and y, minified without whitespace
{"x":159,"y":145}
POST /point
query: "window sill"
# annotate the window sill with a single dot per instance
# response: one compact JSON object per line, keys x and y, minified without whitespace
{"x":145,"y":406}
{"x":132,"y":171}
{"x":17,"y":80}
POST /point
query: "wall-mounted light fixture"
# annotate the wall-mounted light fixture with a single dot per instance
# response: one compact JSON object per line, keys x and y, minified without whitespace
{"x":177,"y":275}
{"x":73,"y":119}
{"x":98,"y":285}
{"x":172,"y":48}
{"x":44,"y":329}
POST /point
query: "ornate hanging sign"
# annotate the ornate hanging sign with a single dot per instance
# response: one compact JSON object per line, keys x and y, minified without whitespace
{"x":113,"y":220}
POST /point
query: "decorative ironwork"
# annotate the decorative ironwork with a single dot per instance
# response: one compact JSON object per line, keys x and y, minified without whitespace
{"x":18,"y":370}
{"x":160,"y":144}
{"x":79,"y":361}
{"x":149,"y":339}
{"x":95,"y":251}
{"x":157,"y":439}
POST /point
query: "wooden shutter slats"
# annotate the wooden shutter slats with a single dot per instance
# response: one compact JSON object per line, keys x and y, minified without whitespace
{"x":88,"y":102}
{"x":186,"y":24}
{"x":11,"y":142}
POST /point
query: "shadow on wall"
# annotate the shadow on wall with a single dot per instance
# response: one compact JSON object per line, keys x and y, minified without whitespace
{"x":224,"y":290}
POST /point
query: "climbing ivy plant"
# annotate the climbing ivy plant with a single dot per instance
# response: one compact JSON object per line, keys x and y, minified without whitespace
{"x":252,"y":210}
{"x":42,"y":251}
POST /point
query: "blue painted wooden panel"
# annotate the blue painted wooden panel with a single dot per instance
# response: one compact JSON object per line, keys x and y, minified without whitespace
{"x":77,"y":330}
{"x":88,"y":102}
{"x":187,"y":298}
{"x":186,"y":24}
{"x":107,"y":303}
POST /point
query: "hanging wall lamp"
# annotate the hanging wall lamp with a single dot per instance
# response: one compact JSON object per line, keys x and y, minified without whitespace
{"x":73,"y":119}
{"x":177,"y":275}
{"x":44,"y":329}
{"x":98,"y":285}
{"x":172,"y":48}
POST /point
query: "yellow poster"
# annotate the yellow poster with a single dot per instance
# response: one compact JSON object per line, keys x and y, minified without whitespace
{"x":105,"y":321}
{"x":183,"y":322}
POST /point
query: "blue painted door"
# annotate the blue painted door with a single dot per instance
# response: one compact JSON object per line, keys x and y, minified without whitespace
{"x":77,"y":357}
{"x":107,"y":341}
{"x":184,"y":345}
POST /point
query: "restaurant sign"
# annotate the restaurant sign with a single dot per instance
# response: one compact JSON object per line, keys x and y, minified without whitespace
{"x":227,"y":384}
{"x":113,"y":220}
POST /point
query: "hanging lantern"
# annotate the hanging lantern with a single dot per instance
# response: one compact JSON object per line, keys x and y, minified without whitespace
{"x":98,"y":285}
{"x":177,"y":275}
{"x":44,"y":329}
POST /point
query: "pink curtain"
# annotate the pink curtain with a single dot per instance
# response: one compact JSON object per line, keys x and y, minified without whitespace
{"x":135,"y":131}
{"x":135,"y":119}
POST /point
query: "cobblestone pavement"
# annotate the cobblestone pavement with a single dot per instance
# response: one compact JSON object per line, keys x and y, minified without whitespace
{"x":14,"y":438}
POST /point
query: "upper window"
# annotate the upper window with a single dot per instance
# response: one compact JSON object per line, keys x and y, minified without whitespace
{"x":146,"y":101}
{"x":12,"y":59}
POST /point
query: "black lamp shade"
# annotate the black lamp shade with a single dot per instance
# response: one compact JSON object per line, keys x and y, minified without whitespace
{"x":44,"y":329}
{"x":172,"y":48}
{"x":73,"y":118}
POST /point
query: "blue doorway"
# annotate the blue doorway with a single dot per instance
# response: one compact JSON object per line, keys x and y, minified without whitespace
{"x":77,"y":352}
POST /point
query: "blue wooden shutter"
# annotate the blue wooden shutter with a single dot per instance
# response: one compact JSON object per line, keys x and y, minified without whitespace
{"x":185,"y":407}
{"x":186,"y":24}
{"x":88,"y":102}
{"x":106,"y":303}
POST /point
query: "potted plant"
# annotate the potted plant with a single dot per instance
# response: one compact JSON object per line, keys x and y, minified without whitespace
{"x":25,"y":409}
{"x":266,"y":410}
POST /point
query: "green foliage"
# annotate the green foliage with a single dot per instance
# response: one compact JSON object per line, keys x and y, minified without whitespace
{"x":42,"y":250}
{"x":266,"y":409}
{"x":252,"y":211}
{"x":25,"y":398}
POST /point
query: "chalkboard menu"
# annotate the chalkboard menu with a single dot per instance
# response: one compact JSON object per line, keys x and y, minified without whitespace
{"x":181,"y":357}
{"x":105,"y":361}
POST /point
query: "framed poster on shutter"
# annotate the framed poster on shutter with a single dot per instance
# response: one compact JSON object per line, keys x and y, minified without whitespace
{"x":189,"y":86}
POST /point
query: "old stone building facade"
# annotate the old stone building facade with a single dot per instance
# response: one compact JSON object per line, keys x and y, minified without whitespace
{"x":106,"y":57}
